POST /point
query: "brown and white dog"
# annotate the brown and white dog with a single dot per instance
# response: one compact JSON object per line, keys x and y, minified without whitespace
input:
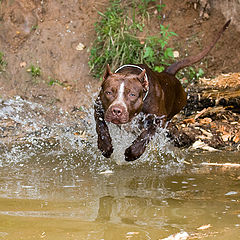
{"x":132,"y":89}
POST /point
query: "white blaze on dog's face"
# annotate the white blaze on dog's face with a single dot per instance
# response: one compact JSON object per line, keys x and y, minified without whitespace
{"x":121,"y":96}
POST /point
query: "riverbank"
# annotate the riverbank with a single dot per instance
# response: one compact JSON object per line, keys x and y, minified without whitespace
{"x":209,"y":122}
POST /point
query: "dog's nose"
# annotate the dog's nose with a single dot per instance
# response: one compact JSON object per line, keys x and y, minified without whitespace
{"x":117,"y":111}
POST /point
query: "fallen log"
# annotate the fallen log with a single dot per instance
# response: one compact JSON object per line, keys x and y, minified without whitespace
{"x":200,"y":98}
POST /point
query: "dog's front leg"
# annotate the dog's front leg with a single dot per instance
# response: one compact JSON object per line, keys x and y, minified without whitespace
{"x":104,"y":138}
{"x":139,"y":145}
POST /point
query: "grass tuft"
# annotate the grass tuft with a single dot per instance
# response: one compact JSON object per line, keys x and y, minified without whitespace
{"x":117,"y":40}
{"x":35,"y":71}
{"x":3,"y":63}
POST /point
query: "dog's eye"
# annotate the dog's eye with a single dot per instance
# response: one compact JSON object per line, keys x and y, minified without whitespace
{"x":108,"y":93}
{"x":132,"y":95}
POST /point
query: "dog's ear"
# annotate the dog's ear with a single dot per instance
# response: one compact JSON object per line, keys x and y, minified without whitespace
{"x":143,"y":80}
{"x":107,"y":72}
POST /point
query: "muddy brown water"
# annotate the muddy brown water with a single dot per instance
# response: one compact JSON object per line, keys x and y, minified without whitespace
{"x":65,"y":189}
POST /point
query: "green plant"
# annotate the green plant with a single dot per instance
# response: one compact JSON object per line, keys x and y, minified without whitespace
{"x":142,"y":6}
{"x":117,"y":42}
{"x":35,"y":71}
{"x":53,"y":81}
{"x":34,"y":27}
{"x":3,"y":63}
{"x":190,"y":74}
{"x":160,"y":7}
{"x":156,"y":52}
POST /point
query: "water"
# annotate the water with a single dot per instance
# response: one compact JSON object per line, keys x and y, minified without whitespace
{"x":54,"y":183}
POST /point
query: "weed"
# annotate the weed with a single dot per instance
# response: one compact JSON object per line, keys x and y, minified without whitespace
{"x":155,"y":50}
{"x":160,"y":7}
{"x":190,"y":74}
{"x":3,"y":63}
{"x":117,"y":42}
{"x":53,"y":81}
{"x":142,"y":5}
{"x":34,"y":27}
{"x":35,"y":71}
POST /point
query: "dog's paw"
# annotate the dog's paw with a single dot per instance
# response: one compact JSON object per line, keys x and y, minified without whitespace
{"x":105,"y":147}
{"x":134,"y":151}
{"x":108,"y":153}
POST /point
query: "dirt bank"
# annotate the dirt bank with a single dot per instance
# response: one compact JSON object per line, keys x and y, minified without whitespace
{"x":47,"y":34}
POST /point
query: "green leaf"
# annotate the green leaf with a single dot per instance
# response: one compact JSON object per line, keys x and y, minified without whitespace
{"x":158,"y":68}
{"x":200,"y":73}
{"x":168,"y":53}
{"x":149,"y":53}
{"x":162,"y":43}
{"x":172,"y":34}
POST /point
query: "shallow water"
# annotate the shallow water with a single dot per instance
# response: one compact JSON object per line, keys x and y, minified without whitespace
{"x":54,"y":184}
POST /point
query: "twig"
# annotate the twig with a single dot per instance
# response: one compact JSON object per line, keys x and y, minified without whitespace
{"x":221,"y":164}
{"x":201,"y":113}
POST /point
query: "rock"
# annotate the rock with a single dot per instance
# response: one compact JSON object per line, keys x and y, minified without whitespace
{"x":178,"y":236}
{"x":176,"y":54}
{"x":80,"y":47}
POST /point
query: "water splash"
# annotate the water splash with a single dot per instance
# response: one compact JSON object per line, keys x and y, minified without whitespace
{"x":29,"y":130}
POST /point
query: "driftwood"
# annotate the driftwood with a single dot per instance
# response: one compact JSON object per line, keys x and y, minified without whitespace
{"x":211,"y":119}
{"x":235,"y":165}
{"x":200,"y":98}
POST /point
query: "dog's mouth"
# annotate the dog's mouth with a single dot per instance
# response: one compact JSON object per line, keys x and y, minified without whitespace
{"x":117,"y":121}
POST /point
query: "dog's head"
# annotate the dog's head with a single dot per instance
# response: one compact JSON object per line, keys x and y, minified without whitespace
{"x":122,"y":95}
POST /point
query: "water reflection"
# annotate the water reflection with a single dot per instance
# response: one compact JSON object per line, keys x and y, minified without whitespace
{"x":56,"y":185}
{"x":157,"y":201}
